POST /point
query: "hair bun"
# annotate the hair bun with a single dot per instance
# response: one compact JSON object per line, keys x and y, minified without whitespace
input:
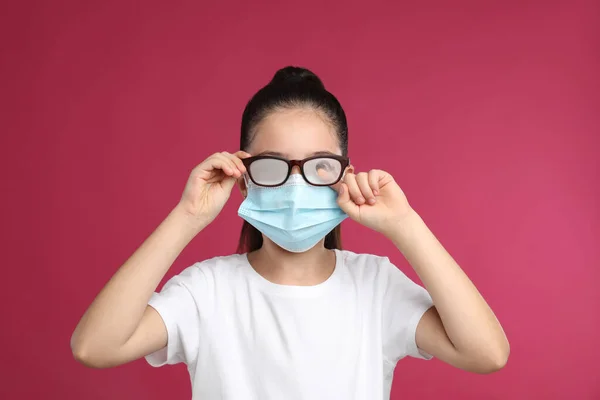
{"x":296,"y":75}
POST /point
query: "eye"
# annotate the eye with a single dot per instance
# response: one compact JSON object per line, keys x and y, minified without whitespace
{"x":326,"y":165}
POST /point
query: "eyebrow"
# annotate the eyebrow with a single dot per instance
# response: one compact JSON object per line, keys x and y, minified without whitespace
{"x":277,"y":154}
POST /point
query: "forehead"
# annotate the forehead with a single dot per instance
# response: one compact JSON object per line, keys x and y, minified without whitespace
{"x":294,"y":133}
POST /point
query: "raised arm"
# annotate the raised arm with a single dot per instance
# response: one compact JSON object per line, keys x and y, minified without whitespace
{"x":119,"y":326}
{"x":460,"y":329}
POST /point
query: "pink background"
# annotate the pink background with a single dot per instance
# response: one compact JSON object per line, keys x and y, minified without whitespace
{"x":487,"y":114}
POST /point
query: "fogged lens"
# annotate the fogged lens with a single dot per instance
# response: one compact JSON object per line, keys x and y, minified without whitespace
{"x":268,"y":171}
{"x":322,"y":171}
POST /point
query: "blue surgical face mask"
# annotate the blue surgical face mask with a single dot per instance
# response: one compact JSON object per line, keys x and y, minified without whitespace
{"x":295,"y":215}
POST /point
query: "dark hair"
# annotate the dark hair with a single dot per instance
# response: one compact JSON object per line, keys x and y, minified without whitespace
{"x":291,"y":87}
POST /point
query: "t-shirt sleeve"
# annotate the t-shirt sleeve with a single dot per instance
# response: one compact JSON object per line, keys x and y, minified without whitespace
{"x":404,"y":303}
{"x":177,"y":305}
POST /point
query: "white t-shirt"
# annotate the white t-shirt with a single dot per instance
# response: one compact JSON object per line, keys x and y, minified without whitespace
{"x":244,"y":337}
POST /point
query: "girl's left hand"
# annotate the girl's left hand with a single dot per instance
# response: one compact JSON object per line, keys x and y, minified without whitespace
{"x":373,"y":199}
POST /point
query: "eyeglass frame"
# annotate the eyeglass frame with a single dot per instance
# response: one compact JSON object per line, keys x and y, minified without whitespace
{"x":344,"y":161}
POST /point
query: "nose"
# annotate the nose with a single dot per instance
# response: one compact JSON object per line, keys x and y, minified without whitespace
{"x":296,"y":169}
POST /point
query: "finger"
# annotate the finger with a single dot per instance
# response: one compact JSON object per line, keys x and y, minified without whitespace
{"x":236,"y":161}
{"x":242,"y":154}
{"x":222,"y":163}
{"x":355,"y":194}
{"x":219,"y":161}
{"x":344,"y":200}
{"x":362,"y":179}
{"x":374,"y":176}
{"x":338,"y":185}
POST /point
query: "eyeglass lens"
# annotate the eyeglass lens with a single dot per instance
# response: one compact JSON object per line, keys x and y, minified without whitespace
{"x":318,"y":171}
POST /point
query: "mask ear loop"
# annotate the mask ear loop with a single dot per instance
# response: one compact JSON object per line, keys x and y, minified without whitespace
{"x":343,"y":175}
{"x":245,"y":176}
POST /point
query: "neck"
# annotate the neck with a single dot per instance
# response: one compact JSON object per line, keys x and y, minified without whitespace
{"x":300,"y":269}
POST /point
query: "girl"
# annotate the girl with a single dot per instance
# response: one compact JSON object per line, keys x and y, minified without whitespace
{"x":292,"y":316}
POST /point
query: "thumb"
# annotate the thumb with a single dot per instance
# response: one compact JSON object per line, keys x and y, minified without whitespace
{"x":344,"y":200}
{"x":228,"y":183}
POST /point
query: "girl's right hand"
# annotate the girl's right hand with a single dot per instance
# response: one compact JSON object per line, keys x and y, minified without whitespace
{"x":209,"y":185}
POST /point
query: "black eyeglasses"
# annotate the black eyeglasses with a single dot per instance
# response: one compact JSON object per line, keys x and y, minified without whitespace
{"x":273,"y":171}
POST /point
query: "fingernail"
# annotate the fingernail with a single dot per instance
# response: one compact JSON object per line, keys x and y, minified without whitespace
{"x":360,"y":200}
{"x":342,"y":189}
{"x":371,"y":201}
{"x":376,"y":192}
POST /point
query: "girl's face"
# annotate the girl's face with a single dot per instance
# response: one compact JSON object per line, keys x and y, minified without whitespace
{"x":294,"y":134}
